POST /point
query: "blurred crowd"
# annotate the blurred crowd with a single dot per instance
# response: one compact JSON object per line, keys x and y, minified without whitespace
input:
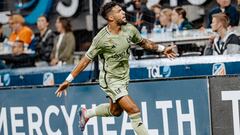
{"x":24,"y":48}
{"x":222,"y":19}
{"x":174,"y":18}
{"x":167,"y":18}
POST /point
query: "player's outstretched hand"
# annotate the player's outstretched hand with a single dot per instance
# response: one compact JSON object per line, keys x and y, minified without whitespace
{"x":62,"y":88}
{"x":168,"y":52}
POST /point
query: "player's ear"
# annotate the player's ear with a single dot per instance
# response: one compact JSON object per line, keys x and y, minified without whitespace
{"x":110,"y":17}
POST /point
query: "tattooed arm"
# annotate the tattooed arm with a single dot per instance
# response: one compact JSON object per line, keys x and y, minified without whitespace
{"x":151,"y":46}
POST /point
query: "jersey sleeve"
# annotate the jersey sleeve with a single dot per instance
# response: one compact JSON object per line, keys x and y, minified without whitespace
{"x":136,"y":36}
{"x":94,"y":50}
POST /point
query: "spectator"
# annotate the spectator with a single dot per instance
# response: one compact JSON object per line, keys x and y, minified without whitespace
{"x":10,"y":21}
{"x":9,"y":26}
{"x":179,"y":18}
{"x":136,"y":16}
{"x":165,"y":3}
{"x":45,"y":41}
{"x":64,"y":44}
{"x":18,"y":58}
{"x":225,"y":6}
{"x":19,"y":30}
{"x":141,"y":16}
{"x":148,"y":16}
{"x":156,"y":9}
{"x":2,"y":36}
{"x":225,"y":42}
{"x":166,"y":20}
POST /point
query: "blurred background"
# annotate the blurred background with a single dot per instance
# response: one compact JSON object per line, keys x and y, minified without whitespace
{"x":197,"y":93}
{"x":49,"y":35}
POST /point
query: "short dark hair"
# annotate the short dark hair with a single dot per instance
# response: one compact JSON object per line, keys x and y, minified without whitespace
{"x":65,"y":23}
{"x":181,"y":11}
{"x":1,"y":25}
{"x":107,"y":8}
{"x":46,"y":17}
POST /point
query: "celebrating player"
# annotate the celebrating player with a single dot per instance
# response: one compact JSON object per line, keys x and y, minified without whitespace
{"x":112,"y":45}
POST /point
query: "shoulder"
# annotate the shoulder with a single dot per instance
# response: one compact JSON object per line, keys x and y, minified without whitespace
{"x":129,"y":26}
{"x":50,"y":31}
{"x":69,"y":38}
{"x":234,"y":39}
{"x":69,"y":34}
{"x":102,"y":34}
{"x":12,"y":35}
{"x":232,"y":8}
{"x":27,"y":29}
{"x":215,"y":10}
{"x":186,"y":24}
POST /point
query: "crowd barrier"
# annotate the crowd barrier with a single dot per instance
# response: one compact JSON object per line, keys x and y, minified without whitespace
{"x":190,"y":106}
{"x":139,"y":69}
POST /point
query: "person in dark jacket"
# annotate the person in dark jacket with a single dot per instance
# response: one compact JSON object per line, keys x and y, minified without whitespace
{"x":179,"y":17}
{"x":226,"y":42}
{"x":156,"y":9}
{"x":18,"y":59}
{"x":45,"y":41}
{"x":224,"y":6}
{"x":179,"y":23}
{"x":2,"y":36}
{"x":141,"y":16}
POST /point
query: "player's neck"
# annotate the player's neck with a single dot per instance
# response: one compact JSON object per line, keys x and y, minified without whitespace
{"x":114,"y":28}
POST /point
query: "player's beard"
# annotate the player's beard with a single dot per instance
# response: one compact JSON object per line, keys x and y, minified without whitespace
{"x":121,"y":22}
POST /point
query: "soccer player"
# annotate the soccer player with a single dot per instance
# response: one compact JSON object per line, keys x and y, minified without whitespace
{"x":112,"y":45}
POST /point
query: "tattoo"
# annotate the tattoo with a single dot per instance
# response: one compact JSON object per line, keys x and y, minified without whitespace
{"x":148,"y":45}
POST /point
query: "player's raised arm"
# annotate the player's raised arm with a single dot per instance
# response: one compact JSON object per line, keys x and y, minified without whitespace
{"x":79,"y":68}
{"x":149,"y":45}
{"x":92,"y":52}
